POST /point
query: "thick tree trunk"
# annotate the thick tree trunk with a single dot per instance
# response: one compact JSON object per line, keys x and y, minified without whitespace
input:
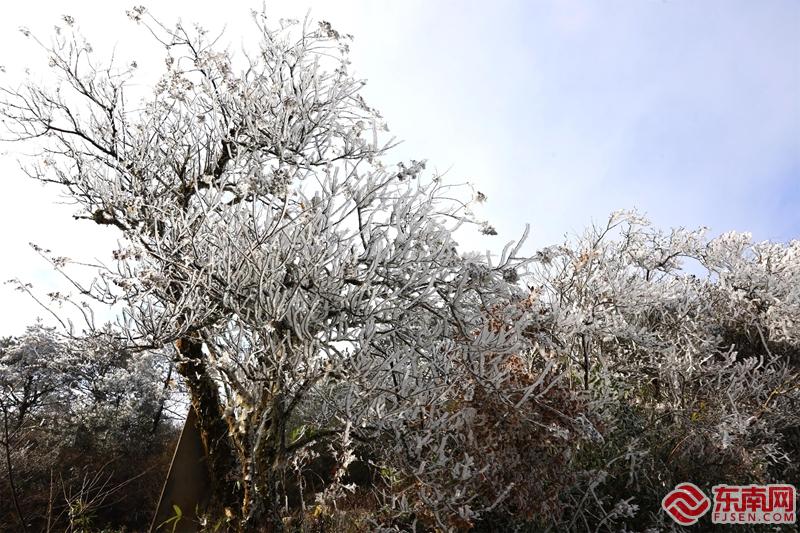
{"x":266,"y":472}
{"x":222,"y":459}
{"x":246,"y":487}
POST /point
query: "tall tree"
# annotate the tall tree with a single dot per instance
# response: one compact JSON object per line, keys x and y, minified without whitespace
{"x":314,"y":292}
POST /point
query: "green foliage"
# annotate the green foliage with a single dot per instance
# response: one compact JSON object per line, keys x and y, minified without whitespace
{"x":174,"y":520}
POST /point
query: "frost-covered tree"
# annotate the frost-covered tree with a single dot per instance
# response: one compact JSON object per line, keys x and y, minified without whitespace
{"x":314,"y":292}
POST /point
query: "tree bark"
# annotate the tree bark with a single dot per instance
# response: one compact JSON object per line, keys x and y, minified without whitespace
{"x":221,"y":452}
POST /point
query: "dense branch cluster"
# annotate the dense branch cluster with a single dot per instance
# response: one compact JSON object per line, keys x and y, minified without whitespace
{"x":689,"y":351}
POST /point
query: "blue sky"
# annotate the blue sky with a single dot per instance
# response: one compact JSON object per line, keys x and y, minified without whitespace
{"x":560,"y":111}
{"x":689,"y":111}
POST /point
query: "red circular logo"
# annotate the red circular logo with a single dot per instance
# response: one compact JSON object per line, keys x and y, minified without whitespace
{"x":686,"y":504}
